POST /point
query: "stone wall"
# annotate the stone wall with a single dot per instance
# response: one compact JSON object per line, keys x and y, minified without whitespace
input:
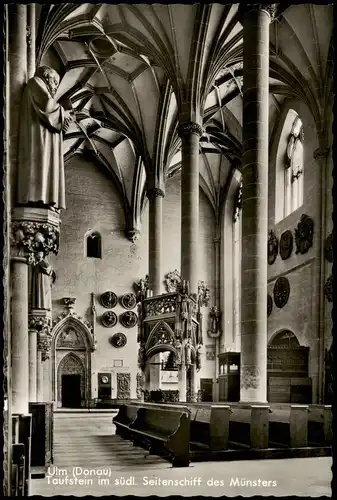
{"x":93,"y":203}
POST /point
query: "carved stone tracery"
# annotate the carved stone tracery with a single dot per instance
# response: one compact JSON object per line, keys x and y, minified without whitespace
{"x":123,"y":385}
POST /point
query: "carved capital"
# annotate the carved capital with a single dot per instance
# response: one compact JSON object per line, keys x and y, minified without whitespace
{"x":246,"y":9}
{"x":132,"y":234}
{"x":155,"y":193}
{"x":188,"y":128}
{"x":320,"y":153}
{"x":39,"y":323}
{"x":33,"y":232}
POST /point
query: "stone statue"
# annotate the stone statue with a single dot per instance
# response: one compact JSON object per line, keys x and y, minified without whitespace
{"x":42,"y":278}
{"x":40,"y":157}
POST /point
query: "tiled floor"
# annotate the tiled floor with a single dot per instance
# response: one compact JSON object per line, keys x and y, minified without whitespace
{"x":90,"y":460}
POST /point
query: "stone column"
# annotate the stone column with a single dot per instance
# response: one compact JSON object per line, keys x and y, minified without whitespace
{"x":321,"y":155}
{"x":182,"y":382}
{"x":32,"y":364}
{"x":43,"y":351}
{"x":33,"y":230}
{"x":39,"y":377}
{"x":190,"y":134}
{"x":255,"y":202}
{"x":19,"y":337}
{"x":217,"y":242}
{"x":155,"y":196}
{"x":17,"y":57}
{"x":31,"y":37}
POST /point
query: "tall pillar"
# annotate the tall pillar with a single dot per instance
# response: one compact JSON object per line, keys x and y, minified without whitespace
{"x":17,"y":57}
{"x":19,"y":339}
{"x":155,"y":196}
{"x":39,"y":377}
{"x":217,"y":242}
{"x":255,"y":202}
{"x":32,"y":364}
{"x":33,"y":230}
{"x":182,"y":385}
{"x":321,"y":155}
{"x":31,"y":37}
{"x":190,"y":134}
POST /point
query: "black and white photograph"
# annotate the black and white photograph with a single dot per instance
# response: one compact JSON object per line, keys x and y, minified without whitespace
{"x":167,"y":249}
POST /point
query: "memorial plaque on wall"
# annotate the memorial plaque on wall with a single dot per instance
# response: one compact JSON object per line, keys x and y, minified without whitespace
{"x":269,"y":305}
{"x":281,"y":292}
{"x":304,"y":234}
{"x":286,"y":245}
{"x":328,"y":249}
{"x":272,"y":247}
{"x":108,"y":300}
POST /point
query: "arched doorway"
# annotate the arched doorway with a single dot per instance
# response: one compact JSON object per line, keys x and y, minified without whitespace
{"x":287,"y":370}
{"x":71,"y":354}
{"x":71,"y":382}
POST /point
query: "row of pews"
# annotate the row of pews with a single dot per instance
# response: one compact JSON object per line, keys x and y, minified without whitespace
{"x":182,"y":433}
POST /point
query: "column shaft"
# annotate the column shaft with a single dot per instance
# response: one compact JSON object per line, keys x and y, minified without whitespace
{"x":155,"y":240}
{"x":32,"y":364}
{"x":39,"y":378}
{"x":19,"y":340}
{"x":17,"y":56}
{"x":190,"y":204}
{"x":182,"y":382}
{"x":254,"y":206}
{"x":31,"y":34}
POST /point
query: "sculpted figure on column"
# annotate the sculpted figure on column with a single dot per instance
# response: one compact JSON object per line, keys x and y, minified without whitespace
{"x":42,"y":278}
{"x":40,"y":162}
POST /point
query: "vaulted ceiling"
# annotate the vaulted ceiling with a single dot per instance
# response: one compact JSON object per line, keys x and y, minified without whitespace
{"x":132,"y":72}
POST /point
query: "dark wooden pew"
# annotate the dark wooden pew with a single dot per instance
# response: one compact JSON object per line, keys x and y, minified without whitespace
{"x":248,"y":426}
{"x":163,"y":430}
{"x":320,"y":425}
{"x":126,"y":415}
{"x":288,"y":427}
{"x":209,"y":427}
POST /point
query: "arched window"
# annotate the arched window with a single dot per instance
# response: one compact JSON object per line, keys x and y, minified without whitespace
{"x":94,"y":245}
{"x":293,"y":180}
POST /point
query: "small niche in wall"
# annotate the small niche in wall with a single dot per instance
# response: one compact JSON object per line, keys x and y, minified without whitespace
{"x":93,"y":245}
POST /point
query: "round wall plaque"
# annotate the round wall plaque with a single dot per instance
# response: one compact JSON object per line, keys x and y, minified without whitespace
{"x":269,"y":305}
{"x":109,"y":319}
{"x":118,"y":340}
{"x":272,"y":247}
{"x":281,"y":292}
{"x":328,"y":249}
{"x":129,"y":300}
{"x":108,"y":300}
{"x":328,"y":289}
{"x":304,"y":234}
{"x":286,"y":244}
{"x":104,"y":379}
{"x":128,"y":319}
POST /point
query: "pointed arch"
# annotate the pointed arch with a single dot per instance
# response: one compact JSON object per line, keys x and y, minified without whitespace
{"x":72,"y":322}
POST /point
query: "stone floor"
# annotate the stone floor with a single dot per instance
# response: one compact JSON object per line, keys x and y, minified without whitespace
{"x":90,"y":460}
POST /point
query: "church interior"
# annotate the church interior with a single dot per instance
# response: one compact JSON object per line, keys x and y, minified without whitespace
{"x":169,"y":244}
